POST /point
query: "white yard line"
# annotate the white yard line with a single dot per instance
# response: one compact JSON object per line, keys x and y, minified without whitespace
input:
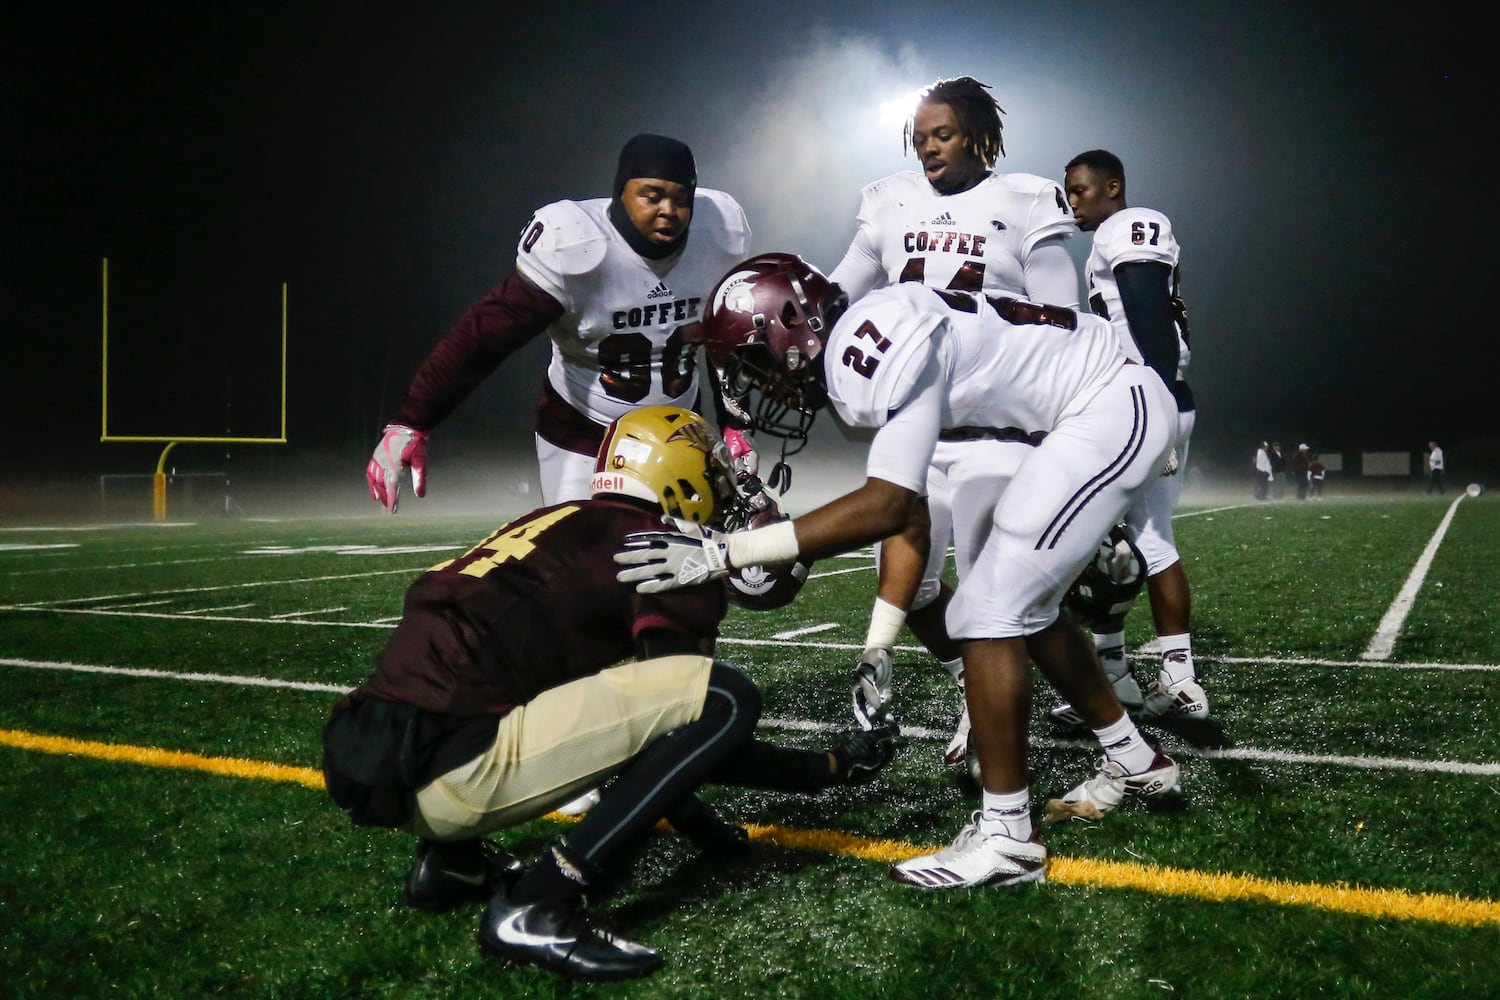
{"x":809,"y":630}
{"x":1479,"y":769}
{"x":243,"y":585}
{"x":1384,"y":640}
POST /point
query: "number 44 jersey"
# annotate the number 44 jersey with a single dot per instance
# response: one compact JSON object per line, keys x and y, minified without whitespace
{"x":623,"y":339}
{"x":977,"y":240}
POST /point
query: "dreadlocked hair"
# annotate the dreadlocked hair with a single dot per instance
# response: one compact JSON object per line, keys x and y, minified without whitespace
{"x":978,"y":115}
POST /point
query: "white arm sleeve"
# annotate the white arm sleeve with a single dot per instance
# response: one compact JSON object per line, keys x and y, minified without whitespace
{"x":1049,"y":274}
{"x":903,"y":447}
{"x":860,"y":270}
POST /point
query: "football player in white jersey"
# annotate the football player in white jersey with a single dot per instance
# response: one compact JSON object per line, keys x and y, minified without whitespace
{"x":1133,"y":278}
{"x":955,"y":224}
{"x":618,"y":287}
{"x":909,"y":362}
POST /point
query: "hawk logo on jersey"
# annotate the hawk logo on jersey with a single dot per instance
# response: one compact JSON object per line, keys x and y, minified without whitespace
{"x":999,"y":226}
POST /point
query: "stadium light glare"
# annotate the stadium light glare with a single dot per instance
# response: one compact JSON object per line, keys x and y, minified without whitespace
{"x":897,"y":110}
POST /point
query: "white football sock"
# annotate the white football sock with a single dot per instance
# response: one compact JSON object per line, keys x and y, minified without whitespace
{"x":1176,"y":669}
{"x":956,"y":668}
{"x":1006,"y":812}
{"x":1123,"y":744}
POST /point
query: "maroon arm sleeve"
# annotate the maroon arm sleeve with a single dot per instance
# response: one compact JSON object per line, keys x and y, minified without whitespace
{"x":493,"y":328}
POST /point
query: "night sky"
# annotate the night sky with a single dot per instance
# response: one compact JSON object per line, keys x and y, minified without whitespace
{"x":382,"y":164}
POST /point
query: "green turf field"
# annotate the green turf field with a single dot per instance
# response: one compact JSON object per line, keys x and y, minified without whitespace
{"x":165,"y":832}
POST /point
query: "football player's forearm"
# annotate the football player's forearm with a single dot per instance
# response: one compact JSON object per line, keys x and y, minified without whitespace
{"x":903,"y":558}
{"x":875,"y":511}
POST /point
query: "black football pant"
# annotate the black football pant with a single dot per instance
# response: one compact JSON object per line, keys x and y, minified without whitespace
{"x":720,"y":747}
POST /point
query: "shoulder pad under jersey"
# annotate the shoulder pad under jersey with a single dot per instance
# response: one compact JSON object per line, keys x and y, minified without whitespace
{"x":1137,"y":234}
{"x":563,"y":239}
{"x":720,"y":220}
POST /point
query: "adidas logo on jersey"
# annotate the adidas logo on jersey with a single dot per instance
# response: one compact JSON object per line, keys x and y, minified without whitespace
{"x":661,"y":291}
{"x":943,"y":220}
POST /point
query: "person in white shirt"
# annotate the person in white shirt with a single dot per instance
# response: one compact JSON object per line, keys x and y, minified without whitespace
{"x":958,"y":224}
{"x":1434,"y":468}
{"x":1264,"y":474}
{"x":618,"y":287}
{"x":1133,"y":275}
{"x":908,"y":362}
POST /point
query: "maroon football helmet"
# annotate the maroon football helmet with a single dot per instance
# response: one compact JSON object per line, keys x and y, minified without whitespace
{"x":764,"y":330}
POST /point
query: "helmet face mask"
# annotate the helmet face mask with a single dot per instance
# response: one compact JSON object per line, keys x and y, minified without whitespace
{"x":764,"y":330}
{"x":669,"y":456}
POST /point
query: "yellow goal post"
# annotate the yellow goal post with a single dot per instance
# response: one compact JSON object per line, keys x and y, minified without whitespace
{"x":159,"y":480}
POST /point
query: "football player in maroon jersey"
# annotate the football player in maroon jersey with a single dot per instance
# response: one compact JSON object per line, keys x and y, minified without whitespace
{"x":509,"y":686}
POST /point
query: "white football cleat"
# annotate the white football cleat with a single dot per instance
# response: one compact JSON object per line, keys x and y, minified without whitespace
{"x":1108,"y":788}
{"x":1183,"y":700}
{"x":975,"y":859}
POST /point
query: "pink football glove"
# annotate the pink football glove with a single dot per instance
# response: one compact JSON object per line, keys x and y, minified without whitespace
{"x":742,"y":450}
{"x":401,"y":447}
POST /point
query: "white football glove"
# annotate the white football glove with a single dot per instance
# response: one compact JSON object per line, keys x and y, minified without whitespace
{"x":872,"y":689}
{"x":400,"y":447}
{"x":686,"y":555}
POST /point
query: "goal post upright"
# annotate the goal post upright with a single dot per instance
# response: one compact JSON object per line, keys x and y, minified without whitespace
{"x":159,"y":479}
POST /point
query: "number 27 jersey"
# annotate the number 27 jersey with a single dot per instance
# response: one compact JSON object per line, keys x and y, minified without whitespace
{"x":1005,"y":364}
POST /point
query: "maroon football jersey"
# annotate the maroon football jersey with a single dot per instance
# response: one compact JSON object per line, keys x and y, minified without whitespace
{"x":533,"y":606}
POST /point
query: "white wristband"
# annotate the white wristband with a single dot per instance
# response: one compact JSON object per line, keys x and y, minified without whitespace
{"x":885,"y":623}
{"x":775,"y":543}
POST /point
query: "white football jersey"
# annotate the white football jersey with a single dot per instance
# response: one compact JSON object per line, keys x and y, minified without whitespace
{"x":1128,"y":235}
{"x":976,"y":240}
{"x":620,"y":341}
{"x":1017,"y":375}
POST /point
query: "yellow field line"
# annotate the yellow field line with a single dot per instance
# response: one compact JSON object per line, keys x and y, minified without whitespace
{"x":233,"y":767}
{"x":1379,"y":903}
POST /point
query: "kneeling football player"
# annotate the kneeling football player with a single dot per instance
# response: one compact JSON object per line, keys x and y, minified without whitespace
{"x":507,"y":688}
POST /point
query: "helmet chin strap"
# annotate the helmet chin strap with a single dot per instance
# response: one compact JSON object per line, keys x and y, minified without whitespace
{"x":781,"y":473}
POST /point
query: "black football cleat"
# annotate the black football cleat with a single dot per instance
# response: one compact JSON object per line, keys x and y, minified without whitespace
{"x":449,"y":875}
{"x":556,"y":936}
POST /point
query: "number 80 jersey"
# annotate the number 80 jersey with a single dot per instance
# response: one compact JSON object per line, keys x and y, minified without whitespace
{"x":622,"y":339}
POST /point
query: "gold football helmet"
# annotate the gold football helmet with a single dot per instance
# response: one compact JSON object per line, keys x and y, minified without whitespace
{"x":669,"y":456}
